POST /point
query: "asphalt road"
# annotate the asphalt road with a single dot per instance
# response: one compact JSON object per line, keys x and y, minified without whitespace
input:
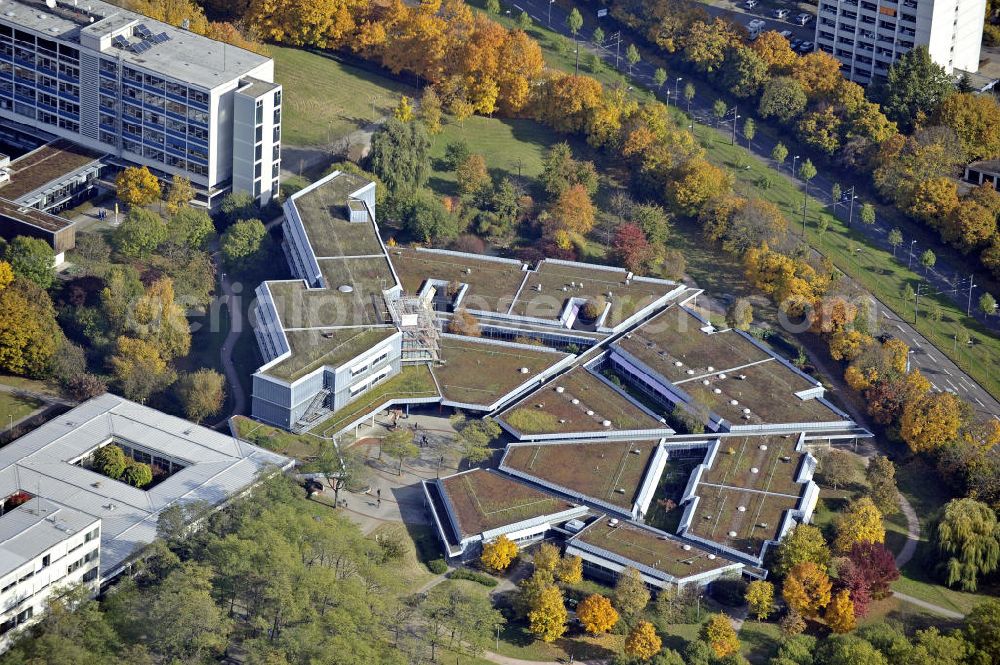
{"x":945,"y":278}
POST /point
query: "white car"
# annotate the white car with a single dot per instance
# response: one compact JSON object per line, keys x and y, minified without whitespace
{"x":787,"y":34}
{"x":756,"y":24}
{"x":780,"y":13}
{"x":750,"y":4}
{"x":803,"y":18}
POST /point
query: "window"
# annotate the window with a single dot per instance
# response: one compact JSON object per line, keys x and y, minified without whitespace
{"x":26,"y":577}
{"x":259,"y":112}
{"x":277,"y":98}
{"x":46,"y":560}
{"x":258,"y":152}
{"x":8,"y":587}
{"x":91,"y":555}
{"x":90,"y":575}
{"x":277,"y":116}
{"x":258,"y":135}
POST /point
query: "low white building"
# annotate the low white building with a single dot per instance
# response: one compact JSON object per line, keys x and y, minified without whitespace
{"x":45,"y":548}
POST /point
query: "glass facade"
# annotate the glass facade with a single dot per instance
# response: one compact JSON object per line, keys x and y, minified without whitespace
{"x":39,"y":79}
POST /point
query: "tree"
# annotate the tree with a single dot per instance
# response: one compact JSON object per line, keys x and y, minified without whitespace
{"x":597,"y":36}
{"x":190,"y":227}
{"x":968,"y":541}
{"x":895,"y":239}
{"x":642,"y":642}
{"x":189,"y":624}
{"x":792,"y":624}
{"x":179,"y":195}
{"x":660,"y":77}
{"x":430,"y":110}
{"x":987,"y":304}
{"x":498,"y":554}
{"x":689,"y":93}
{"x":546,"y":557}
{"x":972,"y":118}
{"x":29,"y":334}
{"x":596,"y":614}
{"x":400,"y":155}
{"x":547,"y":619}
{"x":749,"y":130}
{"x":243,"y":242}
{"x":807,"y":589}
{"x":807,"y":171}
{"x":404,"y":109}
{"x":744,"y":72}
{"x":867,"y":215}
{"x":933,"y":200}
{"x":782,"y":98}
{"x":472,"y":176}
{"x":631,"y":248}
{"x":31,"y":258}
{"x":137,"y":474}
{"x":982,"y":626}
{"x":84,"y":386}
{"x":775,"y":51}
{"x":632,"y":56}
{"x":573,"y":212}
{"x":839,"y":615}
{"x":927,"y":260}
{"x":569,"y":570}
{"x":524,"y":21}
{"x":707,"y":44}
{"x":139,"y":234}
{"x":238,"y":205}
{"x":739,"y":315}
{"x":574,"y":22}
{"x":861,"y":522}
{"x":696,"y":182}
{"x":139,"y":369}
{"x":560,"y":171}
{"x":718,"y":631}
{"x":837,"y":468}
{"x":492,"y":6}
{"x":930,"y":421}
{"x":760,"y":598}
{"x":779,"y":153}
{"x":969,"y":226}
{"x":201,"y":393}
{"x":631,"y":595}
{"x":877,"y":567}
{"x":881,"y":477}
{"x":110,"y":460}
{"x":914,"y":88}
{"x":399,"y":444}
{"x":848,"y":650}
{"x":719,"y":110}
{"x":137,"y":187}
{"x":425,"y":216}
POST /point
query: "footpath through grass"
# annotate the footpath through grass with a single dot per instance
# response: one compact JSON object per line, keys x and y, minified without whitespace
{"x":15,"y":407}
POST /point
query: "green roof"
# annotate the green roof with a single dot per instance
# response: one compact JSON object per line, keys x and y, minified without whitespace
{"x":324,"y":214}
{"x":315,"y":348}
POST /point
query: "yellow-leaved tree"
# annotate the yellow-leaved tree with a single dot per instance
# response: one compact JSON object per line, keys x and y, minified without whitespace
{"x":569,"y":570}
{"x":137,"y":186}
{"x":498,"y":554}
{"x":839,"y":613}
{"x":596,"y":614}
{"x":643,"y":642}
{"x":807,"y":589}
{"x":546,"y":558}
{"x":547,"y":619}
{"x":930,"y":421}
{"x":631,"y":595}
{"x":179,"y":195}
{"x":861,"y":522}
{"x":718,"y":631}
{"x":760,"y":598}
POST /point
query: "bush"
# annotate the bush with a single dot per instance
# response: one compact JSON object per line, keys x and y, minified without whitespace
{"x":473,"y":576}
{"x":437,"y":566}
{"x":991,"y":35}
{"x":592,"y":309}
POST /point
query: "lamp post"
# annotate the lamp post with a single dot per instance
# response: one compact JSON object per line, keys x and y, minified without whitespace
{"x":677,"y":83}
{"x":794,"y":159}
{"x":551,"y":2}
{"x":736,"y":116}
{"x":909,"y":264}
{"x":972,"y":285}
{"x":850,"y":214}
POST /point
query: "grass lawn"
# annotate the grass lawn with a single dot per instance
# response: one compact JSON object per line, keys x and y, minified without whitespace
{"x":327,"y":98}
{"x":16,"y":407}
{"x":408,"y":573}
{"x":759,"y":641}
{"x":31,"y":385}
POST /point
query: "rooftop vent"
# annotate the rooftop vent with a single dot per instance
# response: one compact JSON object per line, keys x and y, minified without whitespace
{"x":590,"y":412}
{"x":606,"y":423}
{"x":754,"y":469}
{"x":711,"y":557}
{"x":345,"y":288}
{"x":523,"y":370}
{"x":560,"y":389}
{"x":613,"y":521}
{"x":636,"y":451}
{"x":686,"y":548}
{"x":732,"y":534}
{"x":742,"y":509}
{"x":734,"y":402}
{"x":717,"y":391}
{"x":575,"y":401}
{"x":763,"y":446}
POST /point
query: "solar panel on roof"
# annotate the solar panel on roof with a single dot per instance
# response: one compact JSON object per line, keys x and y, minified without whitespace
{"x":143,"y":30}
{"x":160,"y":38}
{"x":142,"y":47}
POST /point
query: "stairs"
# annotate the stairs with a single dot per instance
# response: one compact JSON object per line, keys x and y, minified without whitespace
{"x":317,"y":409}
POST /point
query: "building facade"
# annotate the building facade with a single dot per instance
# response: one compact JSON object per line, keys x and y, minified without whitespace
{"x":868,"y":36}
{"x":143,"y":92}
{"x":44,"y":548}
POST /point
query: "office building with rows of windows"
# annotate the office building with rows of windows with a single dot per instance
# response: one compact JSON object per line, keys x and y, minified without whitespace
{"x":868,"y":36}
{"x":143,"y":92}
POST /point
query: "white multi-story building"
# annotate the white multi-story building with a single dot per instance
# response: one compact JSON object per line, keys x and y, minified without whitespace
{"x":45,"y":548}
{"x":868,"y":36}
{"x":143,"y":92}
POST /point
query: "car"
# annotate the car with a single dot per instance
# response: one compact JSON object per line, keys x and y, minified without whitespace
{"x":787,"y":34}
{"x":750,"y":4}
{"x":806,"y":47}
{"x":756,"y":24}
{"x":780,"y":13}
{"x":795,"y":43}
{"x":803,"y":18}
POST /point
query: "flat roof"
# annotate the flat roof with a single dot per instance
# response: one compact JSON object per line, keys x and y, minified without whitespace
{"x":41,"y":166}
{"x":774,"y":457}
{"x":583,"y":404}
{"x":482,"y":500}
{"x":324,"y":214}
{"x":649,"y":547}
{"x":319,"y":347}
{"x":492,"y":284}
{"x":481,"y":372}
{"x":32,"y":217}
{"x":719,"y":516}
{"x":34,"y":527}
{"x":42,"y":462}
{"x":184,"y":56}
{"x":561,"y":280}
{"x":299,"y":306}
{"x":609,"y":471}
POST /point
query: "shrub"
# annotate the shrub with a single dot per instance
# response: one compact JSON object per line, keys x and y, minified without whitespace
{"x":592,"y":309}
{"x":437,"y":566}
{"x":110,"y":461}
{"x":137,"y":474}
{"x":473,"y":576}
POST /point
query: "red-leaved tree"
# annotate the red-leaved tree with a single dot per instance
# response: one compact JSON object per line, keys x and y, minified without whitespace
{"x":878,"y":566}
{"x":853,"y":579}
{"x":632,"y":248}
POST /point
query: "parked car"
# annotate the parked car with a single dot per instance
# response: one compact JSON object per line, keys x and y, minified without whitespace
{"x":787,"y":34}
{"x":750,"y":4}
{"x":795,"y":43}
{"x":806,"y":47}
{"x":780,"y":13}
{"x":755,"y":24}
{"x":803,"y":18}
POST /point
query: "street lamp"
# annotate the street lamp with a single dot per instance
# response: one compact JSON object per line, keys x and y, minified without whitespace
{"x":972,"y":285}
{"x":850,"y":214}
{"x":551,"y":2}
{"x":677,"y":83}
{"x":736,"y":117}
{"x":794,"y":159}
{"x":909,"y":264}
{"x":668,"y":96}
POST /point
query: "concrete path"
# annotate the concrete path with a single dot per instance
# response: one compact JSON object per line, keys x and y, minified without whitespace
{"x":912,"y":532}
{"x":931,"y":607}
{"x":226,"y":353}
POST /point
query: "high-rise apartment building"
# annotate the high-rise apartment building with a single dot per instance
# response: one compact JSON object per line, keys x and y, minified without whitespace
{"x":143,"y":92}
{"x":868,"y":36}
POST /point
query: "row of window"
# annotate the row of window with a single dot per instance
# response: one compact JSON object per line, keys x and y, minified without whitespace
{"x":27,"y":39}
{"x":367,"y":365}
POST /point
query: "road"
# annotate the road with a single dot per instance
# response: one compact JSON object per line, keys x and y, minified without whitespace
{"x":944,"y":277}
